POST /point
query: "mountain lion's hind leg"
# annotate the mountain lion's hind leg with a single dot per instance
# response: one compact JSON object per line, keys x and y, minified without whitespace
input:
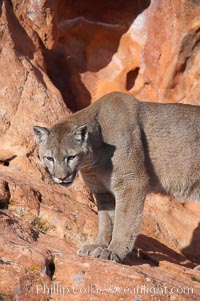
{"x":106,"y":206}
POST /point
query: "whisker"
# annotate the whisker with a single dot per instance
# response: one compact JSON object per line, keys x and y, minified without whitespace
{"x":88,"y":167}
{"x":88,"y":176}
{"x":89,"y":181}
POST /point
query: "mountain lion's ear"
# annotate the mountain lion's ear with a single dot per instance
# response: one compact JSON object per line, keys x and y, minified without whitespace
{"x":41,"y":133}
{"x":81,"y":133}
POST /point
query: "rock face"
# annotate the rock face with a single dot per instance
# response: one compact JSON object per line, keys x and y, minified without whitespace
{"x":57,"y":57}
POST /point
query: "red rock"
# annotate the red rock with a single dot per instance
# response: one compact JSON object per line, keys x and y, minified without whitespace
{"x":58,"y":53}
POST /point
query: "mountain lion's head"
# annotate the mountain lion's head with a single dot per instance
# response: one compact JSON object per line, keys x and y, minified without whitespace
{"x":62,"y":149}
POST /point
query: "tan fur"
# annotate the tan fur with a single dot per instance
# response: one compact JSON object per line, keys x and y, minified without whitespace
{"x":124,"y":150}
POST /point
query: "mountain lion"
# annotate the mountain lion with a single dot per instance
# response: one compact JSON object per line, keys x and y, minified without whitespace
{"x":124,"y":149}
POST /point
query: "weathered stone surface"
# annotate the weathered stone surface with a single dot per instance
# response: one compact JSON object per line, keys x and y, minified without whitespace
{"x":27,"y":96}
{"x":58,"y":53}
{"x":150,"y":50}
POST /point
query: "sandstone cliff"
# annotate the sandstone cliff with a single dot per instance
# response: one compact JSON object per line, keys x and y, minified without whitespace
{"x":57,"y":57}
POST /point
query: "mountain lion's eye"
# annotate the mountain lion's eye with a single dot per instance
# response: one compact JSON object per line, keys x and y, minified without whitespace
{"x":70,"y":158}
{"x":50,"y":159}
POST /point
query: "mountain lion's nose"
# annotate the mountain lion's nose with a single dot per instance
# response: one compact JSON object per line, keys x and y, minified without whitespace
{"x":59,"y":180}
{"x":62,"y":178}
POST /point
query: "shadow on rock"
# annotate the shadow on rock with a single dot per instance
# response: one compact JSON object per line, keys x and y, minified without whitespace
{"x":88,"y":36}
{"x":192,"y":251}
{"x":150,"y":251}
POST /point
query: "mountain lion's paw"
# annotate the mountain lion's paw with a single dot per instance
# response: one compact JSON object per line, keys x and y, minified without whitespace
{"x":97,"y":252}
{"x":111,"y":255}
{"x":88,"y":249}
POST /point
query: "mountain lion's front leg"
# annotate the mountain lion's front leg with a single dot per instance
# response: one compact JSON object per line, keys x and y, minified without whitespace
{"x":105,"y":204}
{"x":128,"y":214}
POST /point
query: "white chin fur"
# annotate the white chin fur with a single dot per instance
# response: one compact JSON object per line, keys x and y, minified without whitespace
{"x":56,"y":180}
